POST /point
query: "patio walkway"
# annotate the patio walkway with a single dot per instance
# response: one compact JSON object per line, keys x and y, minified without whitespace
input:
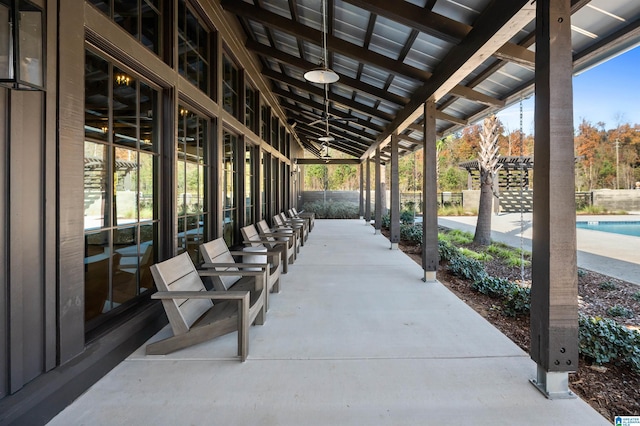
{"x":354,"y":338}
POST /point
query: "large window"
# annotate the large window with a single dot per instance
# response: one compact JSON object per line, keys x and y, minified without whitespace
{"x":193,"y":48}
{"x":265,"y":118}
{"x":140,"y":18}
{"x":249,"y":188}
{"x":120,"y":180}
{"x":251,"y":108}
{"x":230,"y":87}
{"x":191,"y":177}
{"x":229,"y":185}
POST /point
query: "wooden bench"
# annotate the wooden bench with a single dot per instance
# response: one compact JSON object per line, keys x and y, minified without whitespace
{"x":197,"y":315}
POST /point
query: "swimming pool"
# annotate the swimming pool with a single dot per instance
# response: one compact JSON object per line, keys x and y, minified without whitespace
{"x":618,"y":227}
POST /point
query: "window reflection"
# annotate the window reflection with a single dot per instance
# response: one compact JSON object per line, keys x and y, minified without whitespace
{"x":193,"y":48}
{"x":228,"y":186}
{"x":140,"y":18}
{"x":191,"y":186}
{"x":230,"y":87}
{"x":120,"y":161}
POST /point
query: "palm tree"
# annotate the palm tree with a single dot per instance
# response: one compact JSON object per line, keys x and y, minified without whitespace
{"x":488,"y":164}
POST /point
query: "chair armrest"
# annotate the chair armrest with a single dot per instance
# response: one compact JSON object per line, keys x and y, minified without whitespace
{"x":242,"y":296}
{"x":208,"y":266}
{"x":213,"y":273}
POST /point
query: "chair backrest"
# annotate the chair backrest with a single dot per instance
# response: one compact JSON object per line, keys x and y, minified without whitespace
{"x":278,"y":220}
{"x":264,"y":229}
{"x":250,"y":233}
{"x":295,"y":211}
{"x":291,"y":213}
{"x":216,"y":251}
{"x":179,"y":274}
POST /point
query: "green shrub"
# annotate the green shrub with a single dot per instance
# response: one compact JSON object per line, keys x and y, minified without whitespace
{"x":607,"y":285}
{"x":467,"y":268}
{"x":333,"y":209}
{"x":636,"y":296}
{"x":619,"y":311}
{"x":411,"y":233}
{"x":406,"y":217}
{"x":518,"y":302}
{"x":447,"y":251}
{"x":581,"y":273}
{"x":385,"y":221}
{"x":492,"y":286}
{"x":603,"y":340}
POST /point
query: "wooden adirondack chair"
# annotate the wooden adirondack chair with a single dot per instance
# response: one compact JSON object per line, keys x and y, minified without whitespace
{"x":275,"y":255}
{"x":280,"y":222}
{"x":216,"y":255}
{"x":288,"y":235}
{"x":309,"y":216}
{"x":296,"y":222}
{"x":197,"y":315}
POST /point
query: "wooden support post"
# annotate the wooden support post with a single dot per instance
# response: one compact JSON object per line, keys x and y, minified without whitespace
{"x":367,"y":206}
{"x":430,"y":257}
{"x":394,"y":212}
{"x":554,"y":291}
{"x":379,"y":194}
{"x":361,"y":204}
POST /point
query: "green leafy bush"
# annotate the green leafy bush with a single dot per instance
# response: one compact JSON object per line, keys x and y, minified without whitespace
{"x":411,"y":233}
{"x":447,"y":251}
{"x":333,"y":209}
{"x":406,"y":217}
{"x":581,"y":273}
{"x":518,"y":302}
{"x":607,"y":285}
{"x":603,"y":340}
{"x":492,"y":286}
{"x":385,"y":221}
{"x":619,"y":311}
{"x":636,"y":296}
{"x":467,"y":268}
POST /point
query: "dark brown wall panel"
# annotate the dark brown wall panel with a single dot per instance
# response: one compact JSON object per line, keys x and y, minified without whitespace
{"x":4,"y":349}
{"x":26,"y":257}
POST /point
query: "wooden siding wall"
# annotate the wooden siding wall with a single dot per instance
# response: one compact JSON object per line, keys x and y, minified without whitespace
{"x":4,"y":332}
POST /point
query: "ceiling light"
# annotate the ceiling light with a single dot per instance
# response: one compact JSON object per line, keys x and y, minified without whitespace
{"x":327,"y":138}
{"x":322,"y":74}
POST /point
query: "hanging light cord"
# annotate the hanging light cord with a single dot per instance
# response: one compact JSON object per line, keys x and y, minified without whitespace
{"x":521,"y":196}
{"x":324,"y":35}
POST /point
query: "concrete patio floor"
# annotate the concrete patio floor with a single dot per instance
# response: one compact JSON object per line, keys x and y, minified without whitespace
{"x":353,"y":338}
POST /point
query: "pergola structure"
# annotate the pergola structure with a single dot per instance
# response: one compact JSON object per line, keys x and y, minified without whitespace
{"x":513,"y":172}
{"x":412,"y":72}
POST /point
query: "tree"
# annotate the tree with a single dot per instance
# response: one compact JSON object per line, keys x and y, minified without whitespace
{"x":488,"y":164}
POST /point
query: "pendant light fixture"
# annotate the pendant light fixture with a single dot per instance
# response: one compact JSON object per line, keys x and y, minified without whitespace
{"x":322,"y":74}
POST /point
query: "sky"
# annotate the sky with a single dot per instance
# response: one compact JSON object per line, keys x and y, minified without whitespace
{"x":609,"y":92}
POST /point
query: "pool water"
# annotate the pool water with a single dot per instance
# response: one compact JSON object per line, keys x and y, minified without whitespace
{"x":623,"y":227}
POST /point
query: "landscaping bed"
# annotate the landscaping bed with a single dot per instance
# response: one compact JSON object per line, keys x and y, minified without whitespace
{"x":605,"y":303}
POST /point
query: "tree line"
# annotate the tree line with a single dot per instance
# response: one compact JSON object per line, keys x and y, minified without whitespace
{"x":605,"y":158}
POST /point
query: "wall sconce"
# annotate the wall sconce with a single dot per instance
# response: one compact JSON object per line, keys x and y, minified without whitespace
{"x":22,"y":41}
{"x":104,"y":129}
{"x":122,"y":79}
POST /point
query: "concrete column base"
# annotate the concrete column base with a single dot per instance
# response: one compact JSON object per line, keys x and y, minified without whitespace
{"x":378,"y":232}
{"x":429,"y":277}
{"x":553,"y":385}
{"x":394,"y":246}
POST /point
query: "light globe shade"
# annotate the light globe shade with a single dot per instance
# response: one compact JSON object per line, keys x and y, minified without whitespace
{"x":321,"y":76}
{"x":325,"y":138}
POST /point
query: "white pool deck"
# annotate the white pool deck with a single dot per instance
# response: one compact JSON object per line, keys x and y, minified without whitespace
{"x":353,"y":338}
